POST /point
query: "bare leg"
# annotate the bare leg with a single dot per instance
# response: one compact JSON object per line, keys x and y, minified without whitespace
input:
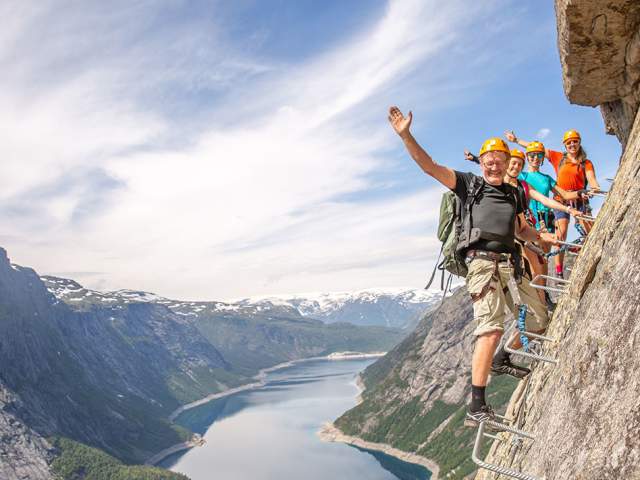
{"x":562,"y":226}
{"x":486,"y":346}
{"x":517,"y":343}
{"x":587,"y":225}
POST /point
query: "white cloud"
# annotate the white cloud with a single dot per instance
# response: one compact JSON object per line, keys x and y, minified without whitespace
{"x":543,"y":133}
{"x":243,"y":200}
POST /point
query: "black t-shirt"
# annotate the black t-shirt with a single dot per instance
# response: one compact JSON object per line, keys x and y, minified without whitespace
{"x":494,"y":212}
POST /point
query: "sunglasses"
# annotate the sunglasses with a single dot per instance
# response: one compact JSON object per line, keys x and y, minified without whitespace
{"x":572,"y":142}
{"x":535,"y":155}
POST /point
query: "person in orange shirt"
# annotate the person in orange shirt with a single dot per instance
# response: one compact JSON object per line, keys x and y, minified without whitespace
{"x":574,"y":173}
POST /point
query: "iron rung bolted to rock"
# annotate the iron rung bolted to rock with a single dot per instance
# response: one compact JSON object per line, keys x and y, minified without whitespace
{"x":557,"y":280}
{"x":475,"y":456}
{"x":533,"y":356}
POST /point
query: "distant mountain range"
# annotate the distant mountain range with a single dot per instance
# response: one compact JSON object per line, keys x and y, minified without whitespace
{"x":398,"y":308}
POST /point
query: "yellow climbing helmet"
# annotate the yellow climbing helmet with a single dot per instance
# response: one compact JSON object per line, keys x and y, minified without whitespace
{"x":517,"y":153}
{"x":571,"y":135}
{"x":494,"y":144}
{"x":535,"y":147}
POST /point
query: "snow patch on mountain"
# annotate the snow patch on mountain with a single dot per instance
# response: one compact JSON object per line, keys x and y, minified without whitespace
{"x":392,"y":307}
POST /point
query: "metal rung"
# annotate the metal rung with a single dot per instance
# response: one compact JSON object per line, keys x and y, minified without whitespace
{"x":599,"y":193}
{"x":569,"y":244}
{"x":497,"y":468}
{"x":549,"y":277}
{"x":530,"y":355}
{"x":586,"y":217}
{"x":501,"y":427}
{"x":561,"y":281}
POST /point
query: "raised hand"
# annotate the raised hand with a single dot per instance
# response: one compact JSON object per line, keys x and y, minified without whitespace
{"x":509,"y":135}
{"x":470,"y":156}
{"x":399,"y":122}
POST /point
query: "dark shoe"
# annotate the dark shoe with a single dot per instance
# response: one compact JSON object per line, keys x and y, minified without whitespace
{"x":485,"y":414}
{"x":508,"y":368}
{"x":559,"y":274}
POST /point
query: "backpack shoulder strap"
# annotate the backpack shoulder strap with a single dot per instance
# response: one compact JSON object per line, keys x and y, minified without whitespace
{"x":475,"y":187}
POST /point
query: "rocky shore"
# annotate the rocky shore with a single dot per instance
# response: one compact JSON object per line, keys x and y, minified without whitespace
{"x":330,"y":433}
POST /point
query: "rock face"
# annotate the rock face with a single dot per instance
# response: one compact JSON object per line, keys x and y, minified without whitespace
{"x":588,"y":407}
{"x":23,"y":453}
{"x":599,"y":43}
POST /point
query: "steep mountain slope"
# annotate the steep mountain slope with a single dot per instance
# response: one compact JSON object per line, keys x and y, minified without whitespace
{"x":251,"y":335}
{"x":107,"y":376}
{"x":415,"y":396}
{"x":23,"y":453}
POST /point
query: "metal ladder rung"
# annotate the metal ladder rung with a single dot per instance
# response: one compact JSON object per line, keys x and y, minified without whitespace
{"x":532,"y":356}
{"x":586,"y":217}
{"x":570,"y":244}
{"x":497,"y":468}
{"x":599,"y":193}
{"x":545,"y":287}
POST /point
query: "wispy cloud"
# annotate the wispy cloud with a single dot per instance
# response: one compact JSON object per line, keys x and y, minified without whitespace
{"x":162,"y":155}
{"x":543,"y":133}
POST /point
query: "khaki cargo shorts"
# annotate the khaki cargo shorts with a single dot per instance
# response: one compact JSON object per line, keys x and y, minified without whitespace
{"x":487,"y":286}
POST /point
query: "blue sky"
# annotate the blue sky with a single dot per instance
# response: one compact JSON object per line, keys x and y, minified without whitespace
{"x":214,"y":150}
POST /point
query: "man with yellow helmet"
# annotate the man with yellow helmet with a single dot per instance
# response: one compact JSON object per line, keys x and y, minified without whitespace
{"x":574,"y":172}
{"x":493,"y":218}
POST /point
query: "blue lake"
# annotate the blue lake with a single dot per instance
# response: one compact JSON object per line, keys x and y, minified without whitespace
{"x":270,"y":433}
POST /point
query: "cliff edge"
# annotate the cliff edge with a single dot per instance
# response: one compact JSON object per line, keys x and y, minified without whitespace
{"x":585,"y":412}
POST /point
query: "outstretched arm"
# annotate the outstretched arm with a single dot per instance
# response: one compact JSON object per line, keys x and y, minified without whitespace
{"x":401,"y":124}
{"x":551,"y":203}
{"x":509,"y":135}
{"x":591,"y":178}
{"x":527,"y":233}
{"x":565,"y":194}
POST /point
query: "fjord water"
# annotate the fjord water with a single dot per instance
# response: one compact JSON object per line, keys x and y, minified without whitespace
{"x":270,"y":433}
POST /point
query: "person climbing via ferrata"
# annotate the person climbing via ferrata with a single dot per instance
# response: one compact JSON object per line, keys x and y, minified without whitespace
{"x":574,"y":172}
{"x":493,"y":217}
{"x":536,"y":186}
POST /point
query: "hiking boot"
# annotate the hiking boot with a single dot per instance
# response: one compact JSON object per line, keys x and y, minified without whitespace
{"x":508,"y":368}
{"x":485,"y":413}
{"x":559,"y":274}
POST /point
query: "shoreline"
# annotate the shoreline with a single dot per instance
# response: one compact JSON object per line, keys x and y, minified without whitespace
{"x":197,"y":441}
{"x":330,"y":433}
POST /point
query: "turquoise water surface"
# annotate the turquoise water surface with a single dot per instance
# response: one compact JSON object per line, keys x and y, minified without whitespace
{"x":270,"y":433}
